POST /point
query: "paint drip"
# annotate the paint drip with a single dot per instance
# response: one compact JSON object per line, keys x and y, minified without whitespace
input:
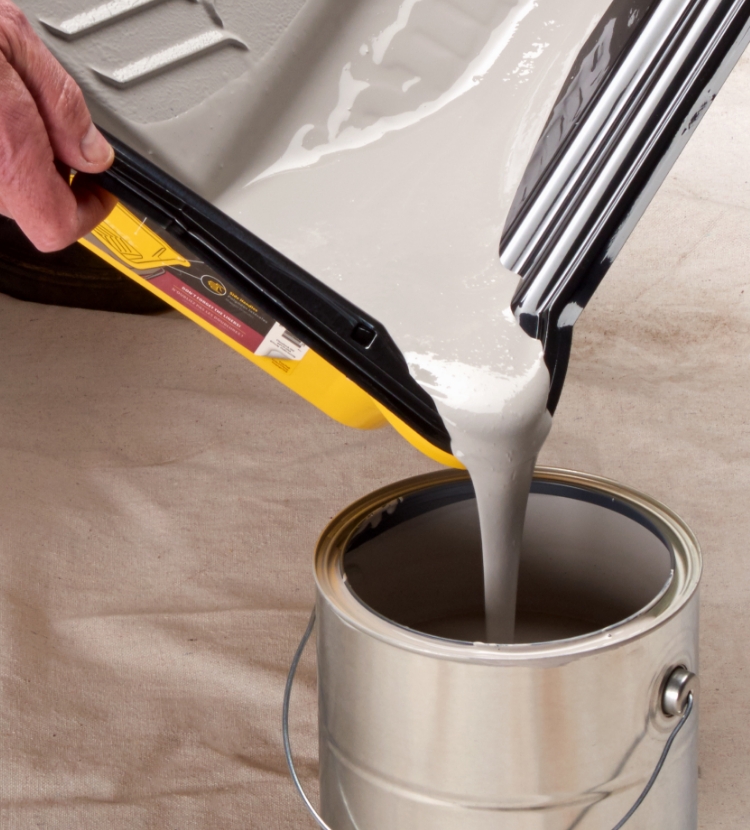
{"x":404,"y":147}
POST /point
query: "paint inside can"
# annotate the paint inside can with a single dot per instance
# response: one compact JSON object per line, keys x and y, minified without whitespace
{"x":423,"y":725}
{"x":585,"y":566}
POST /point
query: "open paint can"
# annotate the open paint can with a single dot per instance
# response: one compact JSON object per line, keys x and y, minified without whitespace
{"x":423,"y":726}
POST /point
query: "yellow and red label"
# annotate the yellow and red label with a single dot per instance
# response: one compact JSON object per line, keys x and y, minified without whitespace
{"x":165,"y":267}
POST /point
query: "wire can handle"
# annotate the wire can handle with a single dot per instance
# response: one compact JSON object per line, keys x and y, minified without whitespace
{"x":677,"y":699}
{"x":285,"y":724}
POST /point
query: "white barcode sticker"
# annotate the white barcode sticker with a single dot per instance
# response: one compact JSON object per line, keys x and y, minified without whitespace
{"x":282,"y":345}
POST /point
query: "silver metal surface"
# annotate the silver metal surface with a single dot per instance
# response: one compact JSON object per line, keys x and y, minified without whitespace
{"x":419,"y":731}
{"x":665,"y":752}
{"x":571,"y":168}
{"x":681,"y":685}
{"x":607,"y":139}
{"x":685,"y":711}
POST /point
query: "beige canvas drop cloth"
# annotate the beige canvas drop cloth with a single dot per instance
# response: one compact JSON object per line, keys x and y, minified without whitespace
{"x":160,"y":499}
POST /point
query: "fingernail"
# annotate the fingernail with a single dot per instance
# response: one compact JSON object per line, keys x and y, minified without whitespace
{"x":95,"y":148}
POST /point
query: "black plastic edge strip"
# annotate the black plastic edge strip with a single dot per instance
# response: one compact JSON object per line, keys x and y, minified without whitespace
{"x":349,"y":339}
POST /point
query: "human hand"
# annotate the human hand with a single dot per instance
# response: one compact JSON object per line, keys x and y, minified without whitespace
{"x":45,"y":129}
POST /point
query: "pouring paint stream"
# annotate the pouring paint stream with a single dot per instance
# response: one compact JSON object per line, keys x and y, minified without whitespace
{"x":404,"y":149}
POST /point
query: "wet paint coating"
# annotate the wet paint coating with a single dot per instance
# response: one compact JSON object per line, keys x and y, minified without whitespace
{"x":401,"y":157}
{"x":378,"y":144}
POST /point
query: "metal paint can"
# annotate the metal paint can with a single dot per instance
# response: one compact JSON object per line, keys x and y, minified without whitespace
{"x":424,"y":727}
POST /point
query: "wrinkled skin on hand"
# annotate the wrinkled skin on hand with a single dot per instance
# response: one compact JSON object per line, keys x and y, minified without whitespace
{"x":45,"y":129}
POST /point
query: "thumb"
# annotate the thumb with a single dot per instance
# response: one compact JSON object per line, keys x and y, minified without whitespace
{"x":75,"y":140}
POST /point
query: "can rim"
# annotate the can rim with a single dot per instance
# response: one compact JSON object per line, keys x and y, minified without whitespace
{"x":332,"y":587}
